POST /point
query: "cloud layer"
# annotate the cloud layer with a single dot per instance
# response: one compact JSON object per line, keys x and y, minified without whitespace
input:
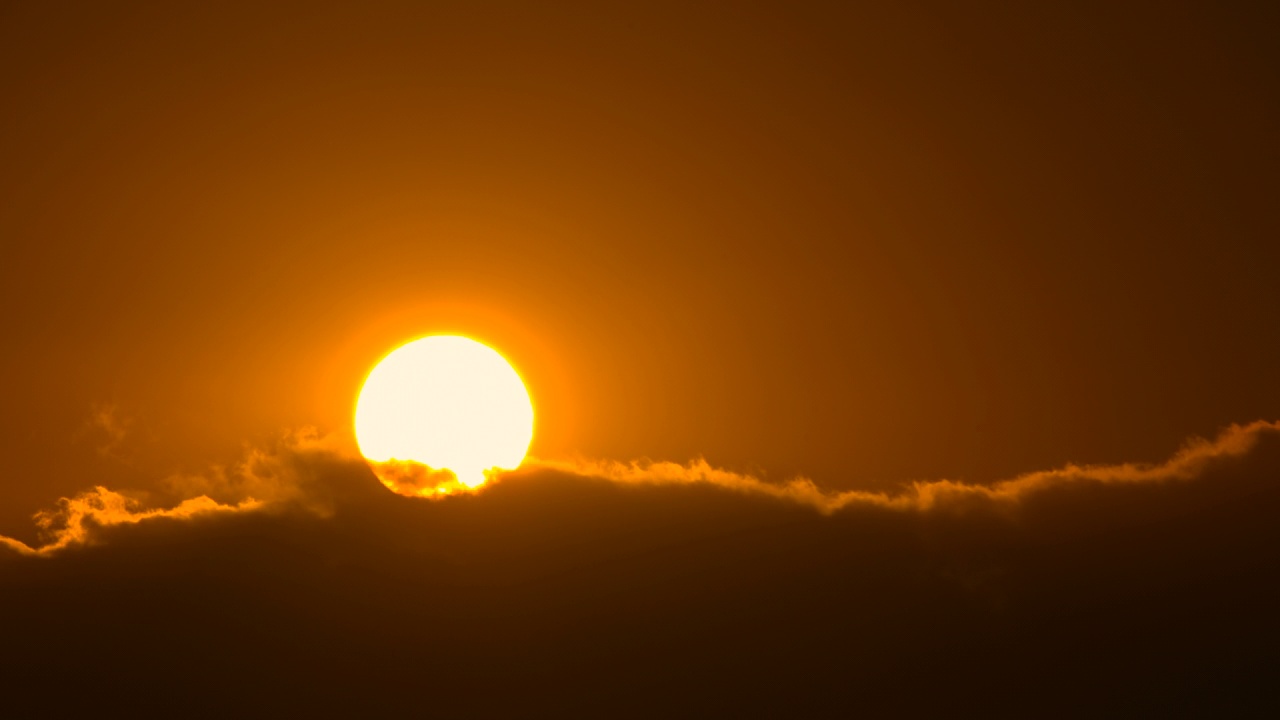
{"x":635,"y":590}
{"x":283,"y":475}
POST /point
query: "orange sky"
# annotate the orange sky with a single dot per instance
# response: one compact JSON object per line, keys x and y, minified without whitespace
{"x":866,"y":245}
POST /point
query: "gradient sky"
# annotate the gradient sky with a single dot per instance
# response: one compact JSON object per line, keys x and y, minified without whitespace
{"x":866,"y":244}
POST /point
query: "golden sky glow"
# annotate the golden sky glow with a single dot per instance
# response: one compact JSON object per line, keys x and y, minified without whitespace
{"x":447,"y":402}
{"x":890,"y":359}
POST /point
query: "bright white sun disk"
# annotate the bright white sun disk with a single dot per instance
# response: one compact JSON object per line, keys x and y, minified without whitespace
{"x":447,"y":402}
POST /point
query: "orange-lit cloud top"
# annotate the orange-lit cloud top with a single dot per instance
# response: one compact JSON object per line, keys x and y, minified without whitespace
{"x":75,"y":518}
{"x":287,"y":475}
{"x":263,"y":478}
{"x":1190,"y":462}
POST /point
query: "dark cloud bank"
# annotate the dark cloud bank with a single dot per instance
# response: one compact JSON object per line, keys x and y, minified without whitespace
{"x":1118,"y":591}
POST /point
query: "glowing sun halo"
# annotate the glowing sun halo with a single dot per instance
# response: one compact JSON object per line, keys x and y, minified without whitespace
{"x":446,"y":402}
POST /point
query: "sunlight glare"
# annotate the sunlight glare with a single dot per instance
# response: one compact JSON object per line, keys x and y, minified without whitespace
{"x":446,"y":402}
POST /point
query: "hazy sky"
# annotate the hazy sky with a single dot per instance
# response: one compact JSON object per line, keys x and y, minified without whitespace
{"x":862,"y":243}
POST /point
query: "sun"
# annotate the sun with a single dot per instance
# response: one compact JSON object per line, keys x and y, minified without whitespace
{"x":442,"y":402}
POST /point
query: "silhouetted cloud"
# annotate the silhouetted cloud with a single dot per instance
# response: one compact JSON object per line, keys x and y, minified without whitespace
{"x":283,"y":474}
{"x":598,"y":589}
{"x":278,"y":474}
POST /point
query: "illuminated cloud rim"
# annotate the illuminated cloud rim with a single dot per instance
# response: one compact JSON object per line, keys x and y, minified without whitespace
{"x":1195,"y":459}
{"x":276,"y":477}
{"x":75,"y":519}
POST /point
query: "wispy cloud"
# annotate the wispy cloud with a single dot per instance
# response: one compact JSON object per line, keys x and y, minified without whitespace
{"x":278,"y":473}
